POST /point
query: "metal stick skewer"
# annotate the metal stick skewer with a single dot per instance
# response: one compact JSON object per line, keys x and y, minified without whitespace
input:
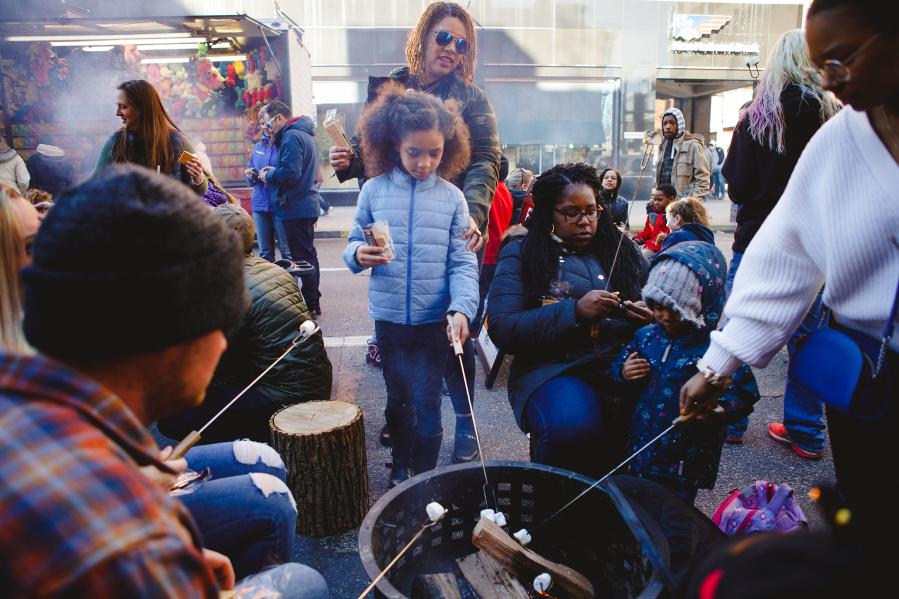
{"x":402,"y":552}
{"x":678,"y":420}
{"x":459,"y":350}
{"x":194,"y":436}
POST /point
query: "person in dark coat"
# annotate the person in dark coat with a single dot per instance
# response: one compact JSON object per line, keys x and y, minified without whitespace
{"x":441,"y":56}
{"x":50,"y":169}
{"x":558,"y":307}
{"x":617,"y":206}
{"x":273,"y":321}
{"x":296,"y":191}
{"x":767,"y":142}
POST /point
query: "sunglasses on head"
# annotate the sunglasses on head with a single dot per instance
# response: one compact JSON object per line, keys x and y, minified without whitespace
{"x":445,"y":38}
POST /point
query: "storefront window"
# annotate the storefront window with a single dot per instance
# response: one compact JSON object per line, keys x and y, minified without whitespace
{"x":547,"y":122}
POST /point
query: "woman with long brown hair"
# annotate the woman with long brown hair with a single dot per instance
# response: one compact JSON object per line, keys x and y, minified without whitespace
{"x":150,"y":138}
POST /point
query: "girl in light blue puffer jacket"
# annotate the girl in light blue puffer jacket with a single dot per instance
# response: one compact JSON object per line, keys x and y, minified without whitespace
{"x":412,"y":143}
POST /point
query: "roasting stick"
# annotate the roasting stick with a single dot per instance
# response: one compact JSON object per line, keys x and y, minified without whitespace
{"x":679,"y":420}
{"x":193,"y":437}
{"x":402,"y":552}
{"x":459,"y":350}
{"x":644,"y":162}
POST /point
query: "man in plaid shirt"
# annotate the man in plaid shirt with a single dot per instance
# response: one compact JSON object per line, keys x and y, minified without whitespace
{"x":132,"y":284}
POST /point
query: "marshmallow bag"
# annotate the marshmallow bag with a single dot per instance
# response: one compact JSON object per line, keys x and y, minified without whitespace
{"x":760,"y":507}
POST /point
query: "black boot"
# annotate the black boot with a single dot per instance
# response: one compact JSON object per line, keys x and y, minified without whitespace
{"x":465,"y":445}
{"x":425,"y":451}
{"x":401,"y":450}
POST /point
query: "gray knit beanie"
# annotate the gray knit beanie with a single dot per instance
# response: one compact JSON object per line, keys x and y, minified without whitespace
{"x":129,"y":262}
{"x":672,"y":284}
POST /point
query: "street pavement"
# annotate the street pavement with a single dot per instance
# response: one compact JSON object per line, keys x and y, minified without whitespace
{"x":346,"y":326}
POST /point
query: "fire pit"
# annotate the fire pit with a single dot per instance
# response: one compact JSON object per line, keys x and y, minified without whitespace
{"x":597,"y":536}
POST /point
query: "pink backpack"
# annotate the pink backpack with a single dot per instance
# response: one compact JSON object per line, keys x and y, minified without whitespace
{"x":760,"y":507}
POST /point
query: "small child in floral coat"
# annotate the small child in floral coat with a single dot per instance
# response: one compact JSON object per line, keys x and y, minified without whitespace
{"x":685,"y":291}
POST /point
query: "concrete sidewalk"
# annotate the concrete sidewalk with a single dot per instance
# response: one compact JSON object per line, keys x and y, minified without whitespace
{"x":339,"y":223}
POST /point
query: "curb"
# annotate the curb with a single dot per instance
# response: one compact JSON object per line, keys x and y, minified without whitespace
{"x":331,"y":234}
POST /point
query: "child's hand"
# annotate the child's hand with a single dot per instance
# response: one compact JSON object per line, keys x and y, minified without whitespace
{"x":662,"y":237}
{"x":634,"y":368}
{"x":369,"y":256}
{"x":637,"y":311}
{"x":458,"y":329}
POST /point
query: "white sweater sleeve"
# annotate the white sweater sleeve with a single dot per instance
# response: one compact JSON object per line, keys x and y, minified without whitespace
{"x":777,"y":280}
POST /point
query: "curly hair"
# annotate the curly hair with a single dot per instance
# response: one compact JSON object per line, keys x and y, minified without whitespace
{"x":398,"y":112}
{"x":540,"y":254}
{"x":420,"y":35}
{"x":690,"y":210}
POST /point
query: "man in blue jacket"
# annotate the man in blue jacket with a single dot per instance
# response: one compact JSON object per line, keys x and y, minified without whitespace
{"x":296,"y":196}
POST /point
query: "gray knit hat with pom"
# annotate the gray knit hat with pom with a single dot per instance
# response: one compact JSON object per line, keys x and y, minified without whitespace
{"x":672,"y":284}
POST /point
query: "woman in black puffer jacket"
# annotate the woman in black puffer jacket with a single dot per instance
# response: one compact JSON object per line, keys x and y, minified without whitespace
{"x":554,"y":307}
{"x":277,"y":311}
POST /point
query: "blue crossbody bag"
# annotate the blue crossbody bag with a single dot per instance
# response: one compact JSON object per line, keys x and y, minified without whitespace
{"x":846,"y":369}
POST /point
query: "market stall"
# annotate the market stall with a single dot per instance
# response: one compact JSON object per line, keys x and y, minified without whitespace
{"x":213,"y":73}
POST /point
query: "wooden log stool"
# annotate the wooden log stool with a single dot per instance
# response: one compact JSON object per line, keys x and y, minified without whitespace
{"x":323,"y":445}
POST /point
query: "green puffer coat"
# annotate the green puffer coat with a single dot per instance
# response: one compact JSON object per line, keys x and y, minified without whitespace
{"x":276,"y":313}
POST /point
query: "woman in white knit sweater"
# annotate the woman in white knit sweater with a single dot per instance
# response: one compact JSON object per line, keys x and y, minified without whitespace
{"x":837,"y":222}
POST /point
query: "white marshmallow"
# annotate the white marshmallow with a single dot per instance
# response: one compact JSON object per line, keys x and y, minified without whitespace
{"x":435,"y":511}
{"x":307,"y":328}
{"x":489,"y":514}
{"x":543,"y":582}
{"x":523,"y":536}
{"x":500,"y":519}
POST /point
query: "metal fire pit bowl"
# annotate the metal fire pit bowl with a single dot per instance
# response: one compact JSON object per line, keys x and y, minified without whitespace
{"x":594,"y":536}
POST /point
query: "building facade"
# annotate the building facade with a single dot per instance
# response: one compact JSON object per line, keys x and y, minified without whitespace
{"x":570,"y":80}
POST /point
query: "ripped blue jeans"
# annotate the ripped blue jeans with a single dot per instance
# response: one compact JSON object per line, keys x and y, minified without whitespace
{"x":245,"y":510}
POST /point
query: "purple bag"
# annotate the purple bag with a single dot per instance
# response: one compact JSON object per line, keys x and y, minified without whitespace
{"x":214,"y":196}
{"x":760,"y":507}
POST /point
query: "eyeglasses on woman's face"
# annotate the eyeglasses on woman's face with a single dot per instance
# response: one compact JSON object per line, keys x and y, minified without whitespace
{"x":574,"y":216}
{"x":833,"y":71}
{"x":445,"y":38}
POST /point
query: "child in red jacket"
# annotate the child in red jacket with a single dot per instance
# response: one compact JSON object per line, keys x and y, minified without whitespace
{"x":656,"y":229}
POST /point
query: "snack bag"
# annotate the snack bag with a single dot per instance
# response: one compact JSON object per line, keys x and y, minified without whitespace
{"x":186,"y":157}
{"x":378,"y":235}
{"x":335,"y":130}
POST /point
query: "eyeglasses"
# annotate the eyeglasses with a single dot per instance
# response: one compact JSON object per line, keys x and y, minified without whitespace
{"x":835,"y":71}
{"x":445,"y":38}
{"x":575,"y":216}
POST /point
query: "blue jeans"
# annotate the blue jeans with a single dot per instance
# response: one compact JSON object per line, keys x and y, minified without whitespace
{"x":803,"y":411}
{"x":245,"y":510}
{"x":565,"y":415}
{"x":414,"y":363}
{"x":268,"y":228}
{"x":718,"y":183}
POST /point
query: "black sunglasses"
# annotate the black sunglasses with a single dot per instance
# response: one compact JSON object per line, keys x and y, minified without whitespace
{"x":445,"y":38}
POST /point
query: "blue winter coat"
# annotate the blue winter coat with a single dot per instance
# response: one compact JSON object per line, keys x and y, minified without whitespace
{"x":547,"y":341}
{"x":264,"y":154}
{"x":691,"y":452}
{"x":689,"y":232}
{"x":432,"y":273}
{"x":296,"y":195}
